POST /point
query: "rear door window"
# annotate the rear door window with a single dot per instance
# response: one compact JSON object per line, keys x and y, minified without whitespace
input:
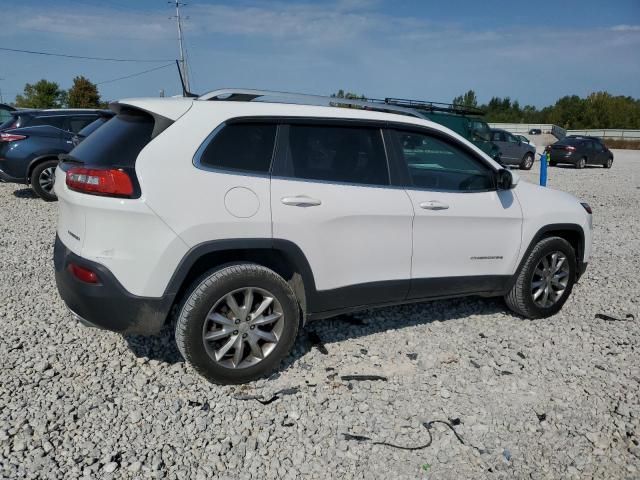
{"x":243,"y":147}
{"x":337,"y":154}
{"x":56,"y":121}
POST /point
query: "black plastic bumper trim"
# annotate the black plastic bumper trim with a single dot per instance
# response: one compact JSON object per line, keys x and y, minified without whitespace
{"x":107,"y":304}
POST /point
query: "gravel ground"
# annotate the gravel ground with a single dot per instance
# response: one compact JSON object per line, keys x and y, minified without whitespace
{"x":554,"y":398}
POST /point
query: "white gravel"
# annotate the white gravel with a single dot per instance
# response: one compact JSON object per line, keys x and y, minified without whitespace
{"x":555,"y":398}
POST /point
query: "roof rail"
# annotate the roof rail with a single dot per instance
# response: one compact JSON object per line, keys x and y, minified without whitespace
{"x":434,"y":106}
{"x":249,"y":95}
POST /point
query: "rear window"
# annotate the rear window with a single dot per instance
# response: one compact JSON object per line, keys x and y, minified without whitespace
{"x":14,"y":121}
{"x":118,"y":142}
{"x":571,"y":141}
{"x":246,"y":147}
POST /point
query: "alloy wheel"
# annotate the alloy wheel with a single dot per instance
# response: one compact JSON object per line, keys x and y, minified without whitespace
{"x":529,"y":162}
{"x":47,"y":179}
{"x":243,"y":327}
{"x":550,"y":279}
{"x":609,"y":162}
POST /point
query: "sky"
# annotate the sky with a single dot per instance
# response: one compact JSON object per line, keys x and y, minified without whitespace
{"x":532,"y":51}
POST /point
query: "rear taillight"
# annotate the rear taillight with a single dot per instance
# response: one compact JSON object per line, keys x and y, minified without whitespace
{"x":571,"y":149}
{"x":11,"y":137}
{"x":100,"y":181}
{"x":586,"y":207}
{"x":83,"y":274}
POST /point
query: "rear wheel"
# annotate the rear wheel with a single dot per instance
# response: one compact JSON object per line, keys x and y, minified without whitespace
{"x":527,"y":162}
{"x":43,"y":179}
{"x":581,"y":163}
{"x":552,"y":163}
{"x":608,"y":163}
{"x":545,"y":280}
{"x":237,"y":323}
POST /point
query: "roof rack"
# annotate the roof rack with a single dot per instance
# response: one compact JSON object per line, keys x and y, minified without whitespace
{"x":433,"y":106}
{"x":249,"y":95}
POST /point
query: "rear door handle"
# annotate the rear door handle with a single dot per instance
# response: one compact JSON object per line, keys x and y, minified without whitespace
{"x":301,"y":201}
{"x":434,"y":205}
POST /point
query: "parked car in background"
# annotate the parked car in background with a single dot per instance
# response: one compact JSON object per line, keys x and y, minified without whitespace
{"x":535,"y":131}
{"x":92,"y":127}
{"x":525,"y":140}
{"x":5,"y":112}
{"x":31,"y":140}
{"x":184,"y":205}
{"x":580,"y":151}
{"x":514,"y":150}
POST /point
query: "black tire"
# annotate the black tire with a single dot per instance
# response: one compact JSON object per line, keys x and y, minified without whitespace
{"x":552,"y":163}
{"x":581,"y":163}
{"x":520,"y":300}
{"x":210,"y":288}
{"x":608,"y":163}
{"x":527,"y":162}
{"x":42,"y":173}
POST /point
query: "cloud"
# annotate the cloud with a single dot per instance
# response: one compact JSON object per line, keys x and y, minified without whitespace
{"x":626,"y":28}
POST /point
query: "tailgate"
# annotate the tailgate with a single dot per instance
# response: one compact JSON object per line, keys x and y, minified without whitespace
{"x":71,"y":216}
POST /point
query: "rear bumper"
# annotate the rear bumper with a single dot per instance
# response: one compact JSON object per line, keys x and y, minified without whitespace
{"x":107,"y":304}
{"x":6,"y":178}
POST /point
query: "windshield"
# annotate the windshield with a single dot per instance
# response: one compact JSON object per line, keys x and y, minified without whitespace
{"x":480,"y":130}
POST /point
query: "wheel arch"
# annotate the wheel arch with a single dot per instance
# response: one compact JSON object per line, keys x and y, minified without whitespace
{"x":37,"y":161}
{"x":571,"y":232}
{"x":282,"y":256}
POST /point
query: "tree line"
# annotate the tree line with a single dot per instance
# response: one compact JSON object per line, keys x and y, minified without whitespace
{"x":45,"y":94}
{"x":597,"y":110}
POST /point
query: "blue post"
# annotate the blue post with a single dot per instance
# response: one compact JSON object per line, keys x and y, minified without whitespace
{"x":543,"y":169}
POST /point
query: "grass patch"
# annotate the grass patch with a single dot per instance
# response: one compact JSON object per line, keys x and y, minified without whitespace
{"x":625,"y":144}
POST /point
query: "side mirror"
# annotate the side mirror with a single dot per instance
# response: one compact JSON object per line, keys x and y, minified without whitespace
{"x":505,"y":179}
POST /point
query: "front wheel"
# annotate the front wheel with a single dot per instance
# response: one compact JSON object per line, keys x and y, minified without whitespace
{"x":608,"y":163}
{"x":527,"y":162}
{"x":581,"y":163}
{"x":237,"y":323}
{"x":545,"y":280}
{"x":43,"y":179}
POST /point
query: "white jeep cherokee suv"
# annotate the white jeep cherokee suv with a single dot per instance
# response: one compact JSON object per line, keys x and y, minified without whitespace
{"x":252,"y":217}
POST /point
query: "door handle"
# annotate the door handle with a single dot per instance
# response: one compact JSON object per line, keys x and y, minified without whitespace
{"x":434,"y":205}
{"x":301,"y":201}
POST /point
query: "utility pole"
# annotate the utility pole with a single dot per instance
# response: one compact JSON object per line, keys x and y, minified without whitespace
{"x":183,"y":61}
{"x":1,"y":100}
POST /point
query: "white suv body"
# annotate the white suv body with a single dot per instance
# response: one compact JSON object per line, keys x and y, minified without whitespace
{"x":350,"y":208}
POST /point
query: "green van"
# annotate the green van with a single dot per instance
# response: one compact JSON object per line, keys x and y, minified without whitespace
{"x":465,"y":121}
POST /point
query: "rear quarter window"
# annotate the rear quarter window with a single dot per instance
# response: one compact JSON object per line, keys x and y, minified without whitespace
{"x":245,"y":147}
{"x":118,"y":142}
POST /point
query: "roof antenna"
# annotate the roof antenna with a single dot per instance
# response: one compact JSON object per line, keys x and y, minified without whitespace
{"x":185,"y":92}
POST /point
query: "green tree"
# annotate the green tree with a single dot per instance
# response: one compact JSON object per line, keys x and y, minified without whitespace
{"x":43,"y":94}
{"x":84,"y":94}
{"x":468,"y":99}
{"x":348,"y":95}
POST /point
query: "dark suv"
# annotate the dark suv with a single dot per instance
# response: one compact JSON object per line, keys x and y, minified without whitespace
{"x":31,"y":140}
{"x":580,"y":151}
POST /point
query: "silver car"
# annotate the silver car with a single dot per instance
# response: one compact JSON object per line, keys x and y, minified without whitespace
{"x":514,"y":150}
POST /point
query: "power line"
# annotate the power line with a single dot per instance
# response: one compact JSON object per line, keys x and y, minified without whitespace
{"x":105,"y":59}
{"x":135,"y":74}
